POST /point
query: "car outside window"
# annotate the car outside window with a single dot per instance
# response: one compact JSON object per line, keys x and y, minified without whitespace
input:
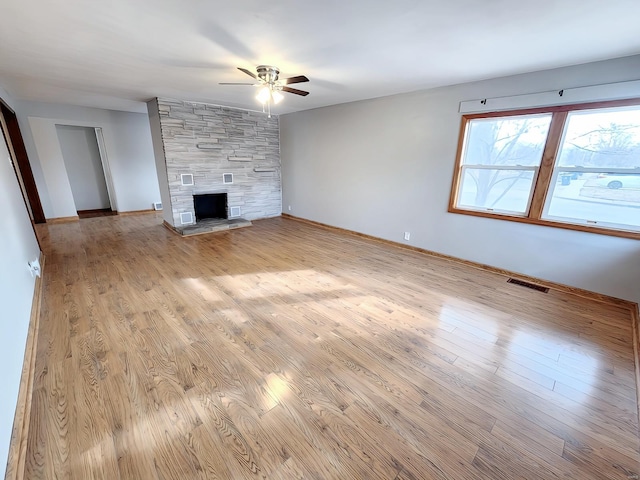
{"x":575,"y":166}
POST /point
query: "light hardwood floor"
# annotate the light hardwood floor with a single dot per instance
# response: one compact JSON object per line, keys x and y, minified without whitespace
{"x":286,"y":351}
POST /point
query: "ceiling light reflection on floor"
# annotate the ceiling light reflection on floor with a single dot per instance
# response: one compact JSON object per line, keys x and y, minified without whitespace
{"x":540,"y":355}
{"x":277,"y":386}
{"x":297,"y":282}
{"x":207,"y":292}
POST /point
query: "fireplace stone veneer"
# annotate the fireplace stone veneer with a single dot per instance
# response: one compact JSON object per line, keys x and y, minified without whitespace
{"x":208,"y":141}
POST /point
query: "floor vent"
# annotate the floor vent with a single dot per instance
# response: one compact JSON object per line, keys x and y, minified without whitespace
{"x":532,"y":286}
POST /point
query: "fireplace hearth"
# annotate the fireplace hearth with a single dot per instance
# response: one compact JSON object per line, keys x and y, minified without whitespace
{"x":212,"y":215}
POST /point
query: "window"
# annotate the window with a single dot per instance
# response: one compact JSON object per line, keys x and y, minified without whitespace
{"x":575,"y":166}
{"x":500,"y":162}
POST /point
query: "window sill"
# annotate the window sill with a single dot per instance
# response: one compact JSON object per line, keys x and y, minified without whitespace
{"x":548,"y":223}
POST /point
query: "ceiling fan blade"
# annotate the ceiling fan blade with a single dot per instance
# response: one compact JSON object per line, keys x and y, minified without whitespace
{"x":227,"y":83}
{"x":295,"y":91}
{"x":298,"y":79}
{"x":248,"y":72}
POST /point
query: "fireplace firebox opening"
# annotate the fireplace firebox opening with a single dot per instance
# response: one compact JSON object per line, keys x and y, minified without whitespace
{"x":210,"y":205}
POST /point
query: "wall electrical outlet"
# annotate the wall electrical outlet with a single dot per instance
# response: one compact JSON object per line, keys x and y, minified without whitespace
{"x":407,"y":236}
{"x":289,"y":207}
{"x":34,"y":268}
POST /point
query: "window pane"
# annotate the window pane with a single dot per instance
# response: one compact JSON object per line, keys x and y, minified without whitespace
{"x":601,"y":139}
{"x":500,"y":190}
{"x":507,"y":140}
{"x":606,"y":199}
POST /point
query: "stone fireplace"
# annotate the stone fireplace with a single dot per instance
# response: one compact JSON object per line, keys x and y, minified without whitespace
{"x":203,"y":150}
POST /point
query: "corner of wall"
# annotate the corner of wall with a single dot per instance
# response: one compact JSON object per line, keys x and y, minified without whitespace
{"x":160,"y":158}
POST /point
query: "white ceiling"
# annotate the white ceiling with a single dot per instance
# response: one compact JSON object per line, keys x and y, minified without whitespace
{"x":118,"y":53}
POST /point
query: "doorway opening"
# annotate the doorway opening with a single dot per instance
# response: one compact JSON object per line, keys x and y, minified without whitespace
{"x":87,"y":168}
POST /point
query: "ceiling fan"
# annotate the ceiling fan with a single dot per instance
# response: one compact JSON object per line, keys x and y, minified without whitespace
{"x":271,"y":85}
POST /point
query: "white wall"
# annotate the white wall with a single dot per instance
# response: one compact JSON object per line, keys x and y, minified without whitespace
{"x":81,"y":156}
{"x":160,"y":160}
{"x":18,"y":246}
{"x":127,"y":139}
{"x":385,"y":166}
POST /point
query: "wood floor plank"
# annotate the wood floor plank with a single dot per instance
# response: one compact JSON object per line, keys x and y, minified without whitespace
{"x":286,"y":350}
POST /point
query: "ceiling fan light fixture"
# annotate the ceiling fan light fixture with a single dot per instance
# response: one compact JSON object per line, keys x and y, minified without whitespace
{"x":276,"y":96}
{"x":271,"y":86}
{"x":263,"y":95}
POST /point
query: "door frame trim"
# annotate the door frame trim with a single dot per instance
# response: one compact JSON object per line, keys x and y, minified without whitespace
{"x":21,"y":163}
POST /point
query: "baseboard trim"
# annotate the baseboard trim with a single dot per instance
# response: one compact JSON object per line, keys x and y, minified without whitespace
{"x":138,"y":212}
{"x":75,"y":218}
{"x":168,"y":226}
{"x":546,"y":283}
{"x":635,"y":323}
{"x":18,"y":446}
